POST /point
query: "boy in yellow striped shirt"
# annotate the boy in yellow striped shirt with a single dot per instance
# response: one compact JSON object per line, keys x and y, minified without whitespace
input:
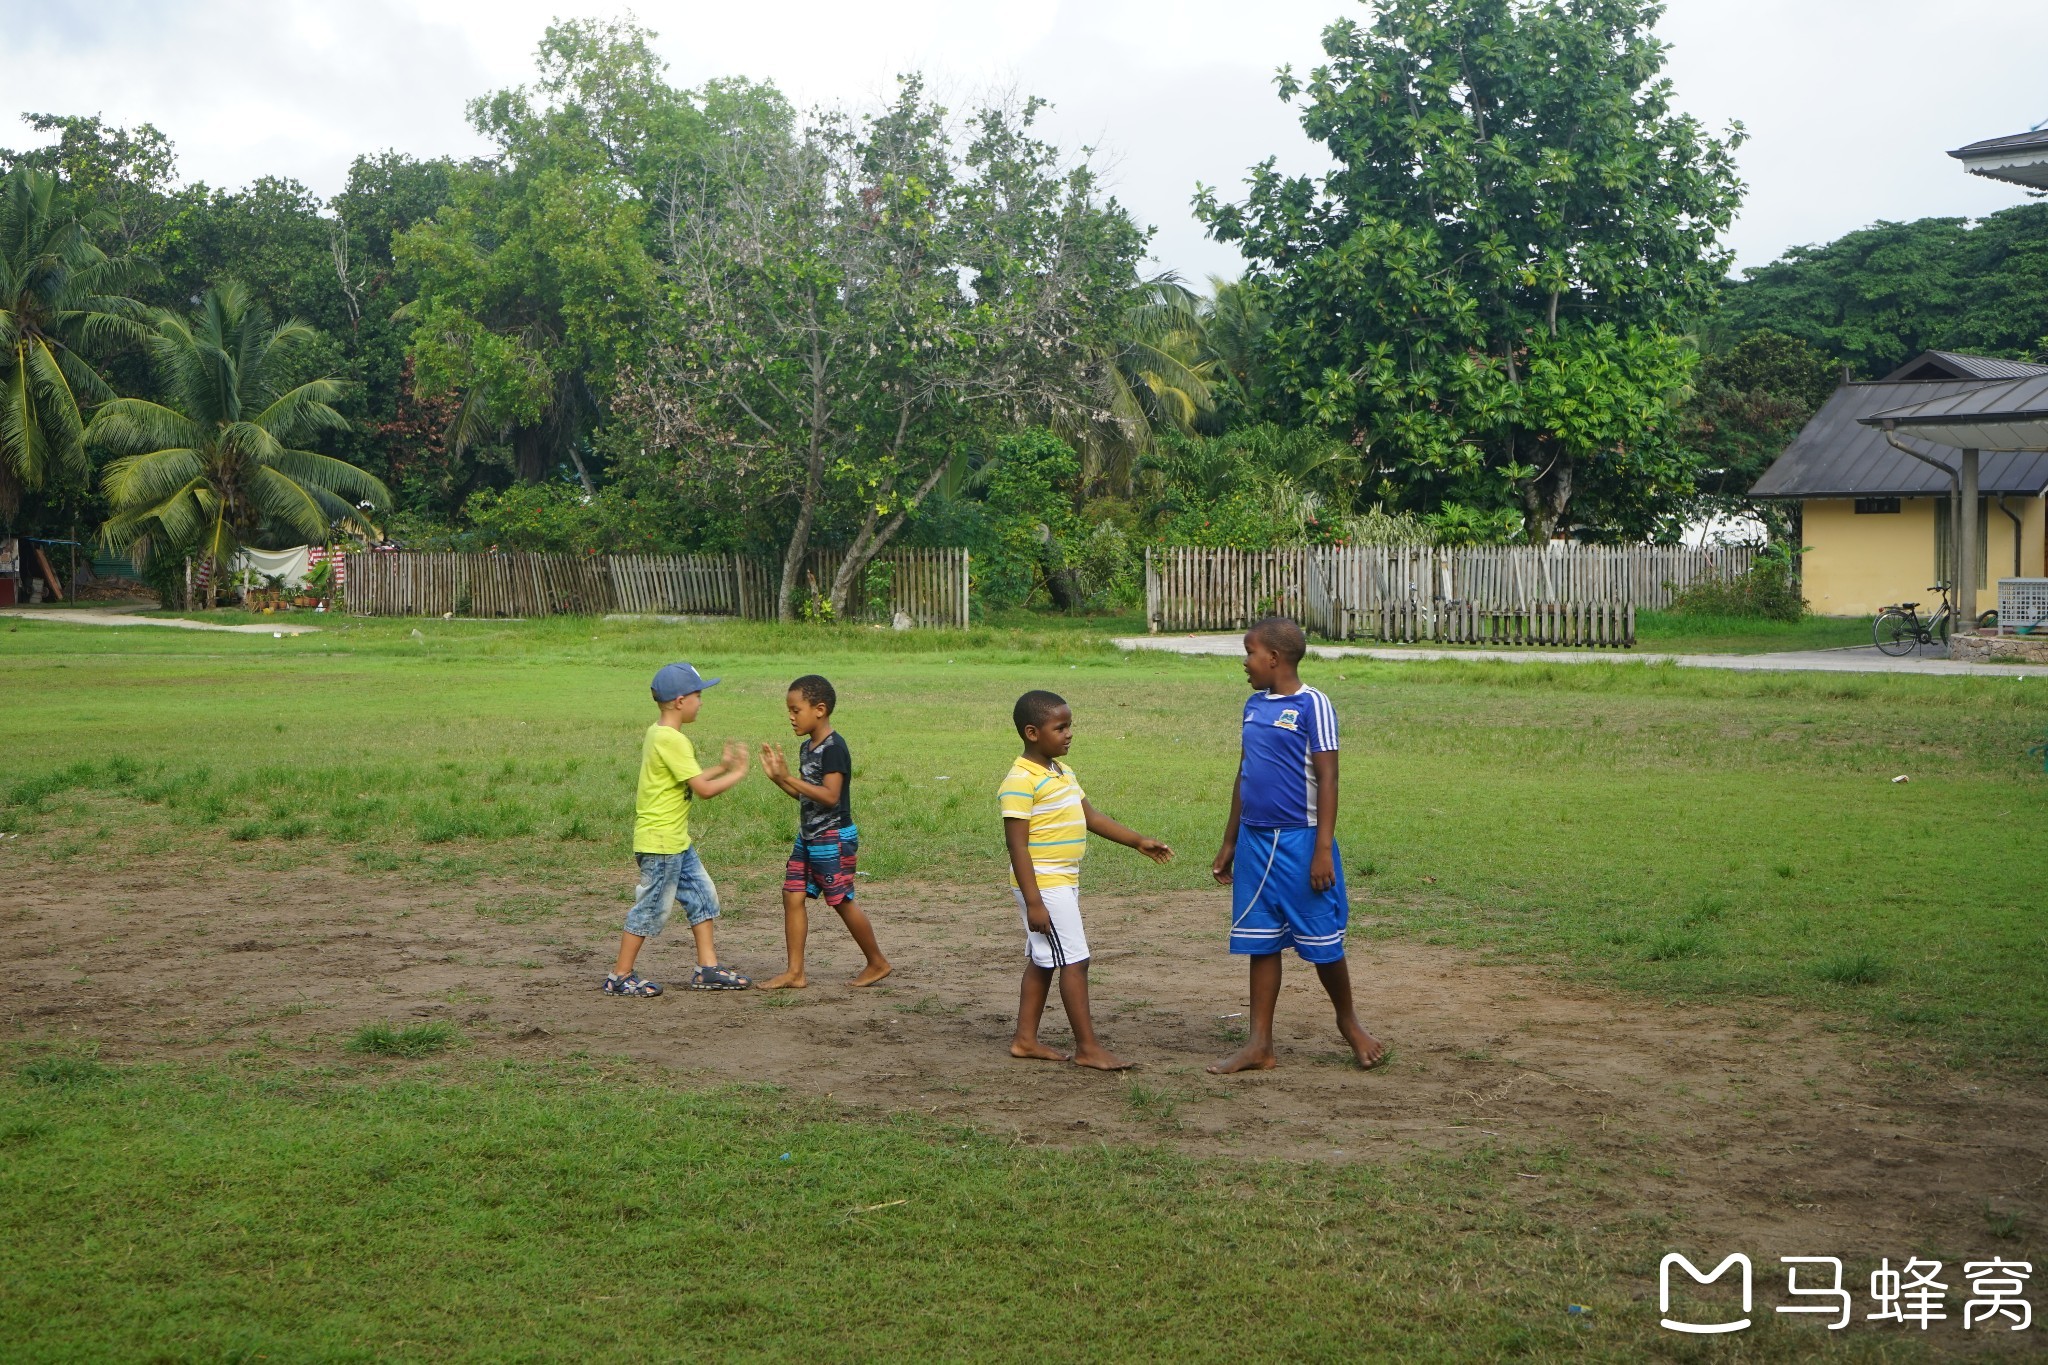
{"x":1046,"y":823}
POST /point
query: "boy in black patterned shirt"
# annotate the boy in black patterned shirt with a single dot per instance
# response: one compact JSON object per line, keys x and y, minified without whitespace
{"x":827,"y":841}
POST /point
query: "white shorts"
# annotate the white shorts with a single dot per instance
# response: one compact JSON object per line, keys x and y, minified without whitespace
{"x":1068,"y":942}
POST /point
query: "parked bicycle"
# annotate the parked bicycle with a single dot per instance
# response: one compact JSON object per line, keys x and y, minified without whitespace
{"x":1900,"y":630}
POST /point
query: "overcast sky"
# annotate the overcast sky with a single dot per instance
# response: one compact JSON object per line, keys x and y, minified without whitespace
{"x":1850,"y":104}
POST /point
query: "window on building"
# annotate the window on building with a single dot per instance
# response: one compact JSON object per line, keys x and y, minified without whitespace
{"x":1873,"y":506}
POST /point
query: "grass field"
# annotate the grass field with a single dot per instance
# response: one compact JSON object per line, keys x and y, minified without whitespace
{"x":1678,"y":835}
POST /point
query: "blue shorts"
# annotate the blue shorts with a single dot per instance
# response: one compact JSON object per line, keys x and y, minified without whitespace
{"x":1271,"y":903}
{"x":668,"y":879}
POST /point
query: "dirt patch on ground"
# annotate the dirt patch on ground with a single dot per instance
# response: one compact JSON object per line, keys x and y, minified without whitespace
{"x":1746,"y":1128}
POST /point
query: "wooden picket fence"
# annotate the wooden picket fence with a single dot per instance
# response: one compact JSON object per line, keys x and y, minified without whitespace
{"x":1492,"y":594}
{"x":1596,"y":626}
{"x":929,"y":586}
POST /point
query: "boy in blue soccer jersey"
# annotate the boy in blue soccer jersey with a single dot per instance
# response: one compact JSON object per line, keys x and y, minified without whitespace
{"x":1279,"y":854}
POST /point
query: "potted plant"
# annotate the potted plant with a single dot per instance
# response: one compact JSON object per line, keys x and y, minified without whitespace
{"x":319,"y":584}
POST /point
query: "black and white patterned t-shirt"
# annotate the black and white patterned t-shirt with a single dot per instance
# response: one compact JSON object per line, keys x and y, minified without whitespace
{"x":813,"y":761}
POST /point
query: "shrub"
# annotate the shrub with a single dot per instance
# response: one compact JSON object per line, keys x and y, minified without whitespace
{"x":1108,"y":569}
{"x":1378,"y":526}
{"x":1457,"y":524}
{"x":1766,"y":592}
{"x":164,"y":574}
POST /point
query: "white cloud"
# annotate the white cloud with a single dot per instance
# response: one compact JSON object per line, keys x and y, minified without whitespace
{"x":1850,"y":103}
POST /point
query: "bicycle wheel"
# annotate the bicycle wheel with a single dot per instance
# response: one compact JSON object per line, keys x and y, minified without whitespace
{"x":1895,"y":633}
{"x":1938,"y":628}
{"x":1987,"y":620}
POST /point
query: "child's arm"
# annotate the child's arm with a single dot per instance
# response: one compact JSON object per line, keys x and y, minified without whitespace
{"x":1322,"y":867}
{"x":1017,"y":835}
{"x":731,"y":768}
{"x":1104,"y":827}
{"x":825,"y":793}
{"x":1225,"y":856}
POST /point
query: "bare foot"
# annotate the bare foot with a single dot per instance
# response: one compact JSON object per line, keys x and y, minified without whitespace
{"x":786,"y":981}
{"x":1035,"y":1051}
{"x":1370,"y":1050}
{"x":1101,"y":1058}
{"x":1246,"y":1058}
{"x":872,"y":973}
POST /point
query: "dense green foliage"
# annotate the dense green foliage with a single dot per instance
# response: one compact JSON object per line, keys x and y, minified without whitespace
{"x":1875,"y":298}
{"x":1748,"y":402}
{"x":1766,"y":591}
{"x":1489,"y":291}
{"x":663,"y":318}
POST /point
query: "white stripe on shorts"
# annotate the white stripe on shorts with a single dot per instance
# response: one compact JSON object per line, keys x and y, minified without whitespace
{"x":1068,"y":942}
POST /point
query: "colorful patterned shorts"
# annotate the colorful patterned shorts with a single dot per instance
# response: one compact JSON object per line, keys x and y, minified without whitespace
{"x":822,"y":866}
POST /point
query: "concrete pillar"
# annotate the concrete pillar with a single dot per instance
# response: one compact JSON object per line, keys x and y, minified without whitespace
{"x":1966,"y":549}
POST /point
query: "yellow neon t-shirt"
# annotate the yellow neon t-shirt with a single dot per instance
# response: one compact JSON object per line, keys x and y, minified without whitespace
{"x":661,"y":807}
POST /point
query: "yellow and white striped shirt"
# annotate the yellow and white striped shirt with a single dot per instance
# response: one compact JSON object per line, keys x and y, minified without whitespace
{"x":1050,"y":798}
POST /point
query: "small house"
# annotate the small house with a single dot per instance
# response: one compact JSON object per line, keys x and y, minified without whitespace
{"x":1875,"y":514}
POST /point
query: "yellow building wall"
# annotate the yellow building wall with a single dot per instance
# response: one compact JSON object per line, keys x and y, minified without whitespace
{"x":1857,"y":565}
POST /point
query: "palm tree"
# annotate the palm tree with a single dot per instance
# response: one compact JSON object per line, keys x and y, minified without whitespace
{"x":57,"y":291}
{"x":1157,"y":374}
{"x":1234,"y":326}
{"x":218,"y":460}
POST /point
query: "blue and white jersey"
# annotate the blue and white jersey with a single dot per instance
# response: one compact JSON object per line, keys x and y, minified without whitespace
{"x":1280,"y":732}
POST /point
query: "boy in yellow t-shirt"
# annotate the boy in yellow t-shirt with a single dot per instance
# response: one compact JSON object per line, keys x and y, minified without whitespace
{"x":1046,"y":823}
{"x":670,"y":873}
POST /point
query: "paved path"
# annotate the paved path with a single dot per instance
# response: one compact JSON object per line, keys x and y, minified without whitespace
{"x":87,"y":617}
{"x":1862,"y":659}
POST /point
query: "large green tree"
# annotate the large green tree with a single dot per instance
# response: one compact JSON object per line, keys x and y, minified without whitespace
{"x":1747,"y":404}
{"x":851,"y":302}
{"x":125,"y":177}
{"x":534,"y":284}
{"x":1876,"y":297}
{"x":60,"y":296}
{"x":221,"y":459}
{"x":1487,"y":292}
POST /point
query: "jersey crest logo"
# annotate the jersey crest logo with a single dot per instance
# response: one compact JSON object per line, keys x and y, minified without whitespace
{"x":1290,"y":719}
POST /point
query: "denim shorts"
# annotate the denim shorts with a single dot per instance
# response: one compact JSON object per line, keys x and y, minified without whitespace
{"x":667,"y":879}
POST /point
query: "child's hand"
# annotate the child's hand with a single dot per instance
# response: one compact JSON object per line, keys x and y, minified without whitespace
{"x":1322,"y":871}
{"x":735,"y":755}
{"x":1038,"y":918}
{"x":1220,"y":869}
{"x":771,"y":762}
{"x":1153,"y":849}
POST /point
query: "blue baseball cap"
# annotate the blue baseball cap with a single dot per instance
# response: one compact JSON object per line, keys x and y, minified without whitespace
{"x":680,"y":680}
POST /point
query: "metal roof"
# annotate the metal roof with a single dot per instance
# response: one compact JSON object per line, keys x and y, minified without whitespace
{"x":1837,"y":456}
{"x":2012,"y":142}
{"x":2019,"y":158}
{"x":2008,"y":416}
{"x":1955,"y":365}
